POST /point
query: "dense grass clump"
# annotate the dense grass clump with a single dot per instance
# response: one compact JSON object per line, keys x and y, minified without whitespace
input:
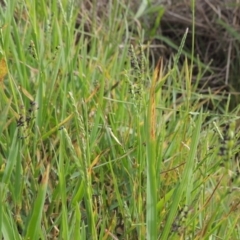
{"x":96,"y":143}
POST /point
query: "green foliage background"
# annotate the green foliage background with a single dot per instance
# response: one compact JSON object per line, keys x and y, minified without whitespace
{"x":78,"y":156}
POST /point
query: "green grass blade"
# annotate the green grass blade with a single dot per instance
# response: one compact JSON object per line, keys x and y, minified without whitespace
{"x":186,"y":183}
{"x":12,"y":158}
{"x":34,"y":225}
{"x":8,"y":226}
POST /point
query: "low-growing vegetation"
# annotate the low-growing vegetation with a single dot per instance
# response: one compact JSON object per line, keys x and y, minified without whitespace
{"x":102,"y":140}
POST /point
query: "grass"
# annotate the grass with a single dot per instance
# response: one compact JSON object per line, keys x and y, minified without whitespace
{"x":97,"y":144}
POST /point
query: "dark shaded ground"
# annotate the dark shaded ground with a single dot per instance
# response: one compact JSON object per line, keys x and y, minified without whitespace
{"x":217,"y":38}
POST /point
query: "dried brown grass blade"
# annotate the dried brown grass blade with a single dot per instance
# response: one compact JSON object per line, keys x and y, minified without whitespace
{"x":157,"y":76}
